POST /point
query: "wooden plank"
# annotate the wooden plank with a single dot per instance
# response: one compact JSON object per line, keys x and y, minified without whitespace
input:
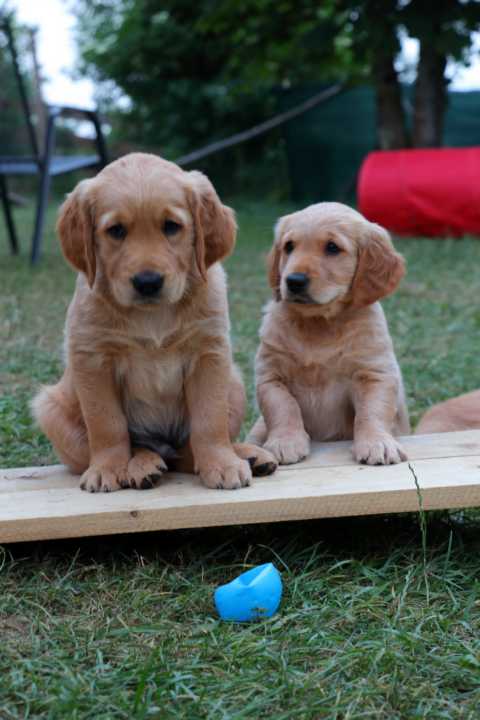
{"x":418,"y":447}
{"x":42,"y":503}
{"x":333,"y":454}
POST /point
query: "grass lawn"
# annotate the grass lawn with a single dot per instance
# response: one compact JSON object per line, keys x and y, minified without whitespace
{"x":371,"y":625}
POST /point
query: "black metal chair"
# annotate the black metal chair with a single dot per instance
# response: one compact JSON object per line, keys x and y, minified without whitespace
{"x":42,"y":162}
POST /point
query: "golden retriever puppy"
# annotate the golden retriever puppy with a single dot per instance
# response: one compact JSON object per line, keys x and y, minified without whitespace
{"x":149,"y":379}
{"x":460,"y":413}
{"x":325,"y":368}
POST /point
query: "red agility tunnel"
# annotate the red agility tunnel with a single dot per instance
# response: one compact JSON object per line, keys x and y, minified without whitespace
{"x":434,"y":192}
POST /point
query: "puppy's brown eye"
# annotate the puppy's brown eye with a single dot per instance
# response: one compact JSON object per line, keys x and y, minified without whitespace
{"x":332,"y":248}
{"x":118,"y":231}
{"x":289,"y":246}
{"x":171,"y":228}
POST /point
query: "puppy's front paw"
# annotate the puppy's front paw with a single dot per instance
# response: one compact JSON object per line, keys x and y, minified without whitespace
{"x":144,"y":470}
{"x":224,"y":470}
{"x":103,"y":479}
{"x":289,"y":449}
{"x":378,"y":450}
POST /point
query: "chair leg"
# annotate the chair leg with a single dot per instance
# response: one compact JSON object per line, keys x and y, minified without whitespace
{"x":8,"y":216}
{"x":39,"y":219}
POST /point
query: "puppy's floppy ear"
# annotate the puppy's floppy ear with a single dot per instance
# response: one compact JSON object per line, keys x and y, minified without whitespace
{"x":75,"y":229}
{"x":273,"y":265}
{"x":273,"y":261}
{"x":380,"y":268}
{"x":215,"y":226}
{"x":273,"y":258}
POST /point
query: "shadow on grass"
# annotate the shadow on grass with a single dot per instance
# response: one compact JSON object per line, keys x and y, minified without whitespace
{"x":285,"y":543}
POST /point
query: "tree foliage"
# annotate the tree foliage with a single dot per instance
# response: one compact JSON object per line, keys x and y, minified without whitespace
{"x":190,"y":73}
{"x":159,"y":55}
{"x":13,"y":132}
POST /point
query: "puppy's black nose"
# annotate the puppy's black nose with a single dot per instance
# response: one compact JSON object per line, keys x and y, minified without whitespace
{"x":297,"y":282}
{"x":147,"y":283}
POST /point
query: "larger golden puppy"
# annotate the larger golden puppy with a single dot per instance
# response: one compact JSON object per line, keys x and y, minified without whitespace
{"x":326,"y":369}
{"x":149,"y":378}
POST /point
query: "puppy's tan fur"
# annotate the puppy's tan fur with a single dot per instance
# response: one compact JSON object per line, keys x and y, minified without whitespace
{"x":326,"y":369}
{"x":459,"y":413}
{"x":149,"y":382}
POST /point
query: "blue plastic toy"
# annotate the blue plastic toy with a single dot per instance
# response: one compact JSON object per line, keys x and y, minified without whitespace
{"x":253,"y":595}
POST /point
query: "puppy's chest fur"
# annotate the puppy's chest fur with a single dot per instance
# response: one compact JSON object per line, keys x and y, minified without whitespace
{"x":319,"y":379}
{"x":152,"y":390}
{"x":148,"y":379}
{"x":150,"y":369}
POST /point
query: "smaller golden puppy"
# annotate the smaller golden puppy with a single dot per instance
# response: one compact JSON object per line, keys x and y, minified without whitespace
{"x":326,"y":368}
{"x":460,"y":413}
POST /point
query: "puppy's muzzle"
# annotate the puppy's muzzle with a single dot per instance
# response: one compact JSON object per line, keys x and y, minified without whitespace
{"x":147,"y":284}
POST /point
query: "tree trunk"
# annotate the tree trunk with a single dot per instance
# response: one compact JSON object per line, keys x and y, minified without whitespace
{"x":430,"y":96}
{"x":391,"y":124}
{"x":39,"y":104}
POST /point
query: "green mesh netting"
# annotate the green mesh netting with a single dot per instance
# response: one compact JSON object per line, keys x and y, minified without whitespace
{"x":326,"y":145}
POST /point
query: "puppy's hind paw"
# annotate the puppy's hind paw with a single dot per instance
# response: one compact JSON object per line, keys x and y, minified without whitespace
{"x":144,"y":470}
{"x":260,"y":460}
{"x":263,"y":464}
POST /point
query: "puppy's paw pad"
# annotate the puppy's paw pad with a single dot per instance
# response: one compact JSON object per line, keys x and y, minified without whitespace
{"x":289,"y":450}
{"x":264,"y":463}
{"x":145,"y":483}
{"x":265,"y":469}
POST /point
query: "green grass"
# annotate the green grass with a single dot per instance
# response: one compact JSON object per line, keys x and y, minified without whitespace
{"x":372,"y":624}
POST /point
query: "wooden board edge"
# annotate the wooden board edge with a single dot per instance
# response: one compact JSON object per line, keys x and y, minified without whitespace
{"x":439,"y":446}
{"x":253,"y":512}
